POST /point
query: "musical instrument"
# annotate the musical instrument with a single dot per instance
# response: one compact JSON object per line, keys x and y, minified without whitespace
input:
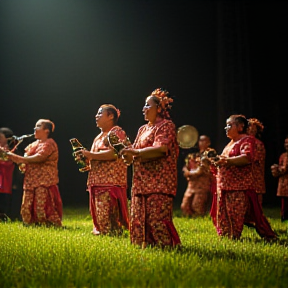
{"x":195,"y":159}
{"x":13,"y":139}
{"x":118,"y":140}
{"x":83,"y":162}
{"x":187,"y":136}
{"x":211,"y":154}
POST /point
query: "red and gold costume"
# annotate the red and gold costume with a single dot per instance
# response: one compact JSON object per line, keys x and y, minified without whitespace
{"x":259,"y":169}
{"x":237,"y":199}
{"x":282,"y":190}
{"x":154,"y":187}
{"x":107,"y":186}
{"x":198,"y":193}
{"x":42,"y":202}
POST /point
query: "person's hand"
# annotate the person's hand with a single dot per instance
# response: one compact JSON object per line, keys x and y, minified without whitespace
{"x":3,"y":153}
{"x":221,"y":161}
{"x":128,"y":154}
{"x":86,"y":153}
{"x":79,"y":155}
{"x":185,"y":171}
{"x":275,"y":170}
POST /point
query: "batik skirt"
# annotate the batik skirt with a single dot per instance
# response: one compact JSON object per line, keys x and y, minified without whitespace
{"x":151,"y":221}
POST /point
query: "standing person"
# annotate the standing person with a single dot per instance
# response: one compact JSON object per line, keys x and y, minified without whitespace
{"x":107,"y":180}
{"x":197,"y":197}
{"x":255,"y":128}
{"x":235,"y":184}
{"x":6,"y":175}
{"x":154,"y":155}
{"x":41,"y":203}
{"x":280,"y":171}
{"x":207,"y":152}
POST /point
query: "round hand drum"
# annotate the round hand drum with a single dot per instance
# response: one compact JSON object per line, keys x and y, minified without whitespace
{"x":187,"y":136}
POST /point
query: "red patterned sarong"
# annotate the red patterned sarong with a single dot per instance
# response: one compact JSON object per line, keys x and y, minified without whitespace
{"x":151,"y":221}
{"x":109,"y":209}
{"x":43,"y":205}
{"x":231,"y":213}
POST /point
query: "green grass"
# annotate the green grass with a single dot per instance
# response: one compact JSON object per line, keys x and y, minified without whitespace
{"x":73,"y":257}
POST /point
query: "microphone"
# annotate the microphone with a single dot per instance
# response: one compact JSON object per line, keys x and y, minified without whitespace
{"x":20,"y":138}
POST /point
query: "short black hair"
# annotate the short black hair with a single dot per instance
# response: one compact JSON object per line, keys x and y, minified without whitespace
{"x":7,"y":132}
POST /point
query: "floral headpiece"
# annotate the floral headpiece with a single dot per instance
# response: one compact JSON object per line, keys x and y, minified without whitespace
{"x":118,"y":112}
{"x":164,"y":100}
{"x":259,"y":125}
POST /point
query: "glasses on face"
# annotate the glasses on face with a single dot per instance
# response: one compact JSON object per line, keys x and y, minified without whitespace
{"x":38,"y":127}
{"x":228,"y":126}
{"x":147,"y":106}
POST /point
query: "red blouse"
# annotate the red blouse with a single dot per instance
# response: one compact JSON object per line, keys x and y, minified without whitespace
{"x":42,"y":173}
{"x":238,"y":177}
{"x":107,"y":173}
{"x":259,"y":167}
{"x":282,"y":189}
{"x":160,"y":175}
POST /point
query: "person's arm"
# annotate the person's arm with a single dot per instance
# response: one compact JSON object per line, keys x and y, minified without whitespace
{"x":281,"y":168}
{"x":240,"y":160}
{"x":144,"y":154}
{"x":104,"y":155}
{"x":150,"y":153}
{"x":27,"y":159}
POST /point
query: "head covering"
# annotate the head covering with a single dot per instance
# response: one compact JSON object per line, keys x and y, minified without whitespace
{"x":164,"y":100}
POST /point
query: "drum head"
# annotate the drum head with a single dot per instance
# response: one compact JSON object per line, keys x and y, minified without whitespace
{"x":187,"y":136}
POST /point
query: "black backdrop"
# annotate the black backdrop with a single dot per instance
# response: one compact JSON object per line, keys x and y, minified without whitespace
{"x":62,"y":59}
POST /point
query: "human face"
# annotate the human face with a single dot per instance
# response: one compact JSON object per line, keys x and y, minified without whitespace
{"x":101,"y":117}
{"x":204,"y":143}
{"x":39,"y":131}
{"x":150,"y":110}
{"x":231,"y":128}
{"x":3,"y":140}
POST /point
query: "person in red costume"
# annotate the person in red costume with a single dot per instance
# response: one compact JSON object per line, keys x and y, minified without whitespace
{"x":197,"y":196}
{"x":255,"y":128}
{"x":6,"y":175}
{"x":154,"y":154}
{"x":280,"y":171}
{"x":107,"y":180}
{"x":237,"y":198}
{"x":41,"y":203}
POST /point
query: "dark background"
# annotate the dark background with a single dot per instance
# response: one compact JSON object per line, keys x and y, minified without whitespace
{"x":62,"y":59}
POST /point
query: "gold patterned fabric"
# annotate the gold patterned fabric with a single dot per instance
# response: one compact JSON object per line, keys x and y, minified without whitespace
{"x":109,"y":210}
{"x":151,"y":221}
{"x":42,"y":205}
{"x":237,"y":178}
{"x":197,"y":196}
{"x":43,"y":173}
{"x":237,"y":202}
{"x":232,"y":208}
{"x":282,"y":189}
{"x":105,"y":173}
{"x":156,"y":175}
{"x":258,"y":167}
{"x":153,"y":188}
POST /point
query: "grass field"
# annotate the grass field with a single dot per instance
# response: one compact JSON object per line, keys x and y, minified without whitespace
{"x":73,"y":257}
